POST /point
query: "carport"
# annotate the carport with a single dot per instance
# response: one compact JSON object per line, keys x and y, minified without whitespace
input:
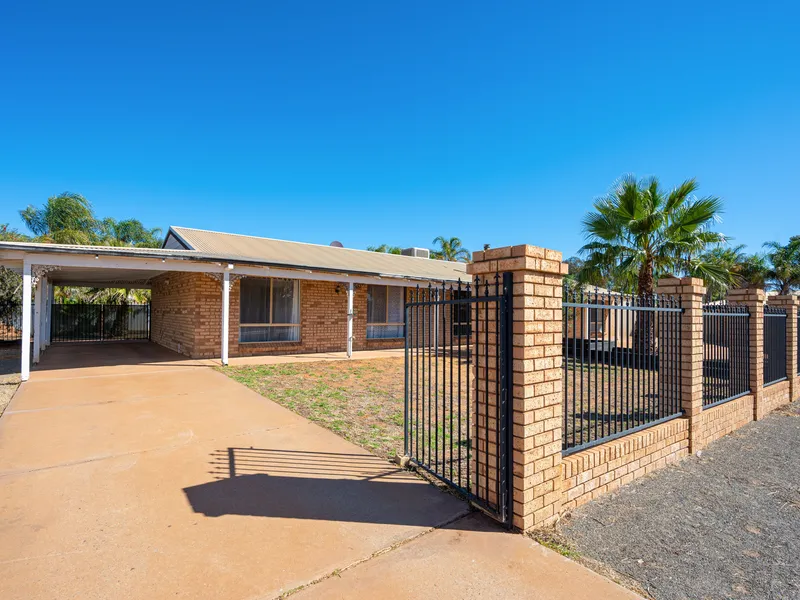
{"x":46,"y":266}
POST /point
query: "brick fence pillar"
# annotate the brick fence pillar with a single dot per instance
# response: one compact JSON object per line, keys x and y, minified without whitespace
{"x":537,"y":396}
{"x":754,"y":300}
{"x":691,"y":292}
{"x":791,"y":304}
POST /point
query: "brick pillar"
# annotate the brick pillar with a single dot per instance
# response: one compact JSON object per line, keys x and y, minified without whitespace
{"x":691,"y":292}
{"x":754,"y":300}
{"x":791,"y":304}
{"x":537,"y":395}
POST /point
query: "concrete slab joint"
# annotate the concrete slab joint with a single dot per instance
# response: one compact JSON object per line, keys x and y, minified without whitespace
{"x":537,"y":395}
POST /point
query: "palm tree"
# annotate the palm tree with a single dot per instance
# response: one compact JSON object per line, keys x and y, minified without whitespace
{"x":639,"y":232}
{"x":64,"y":219}
{"x":129,"y":232}
{"x":450,"y":249}
{"x":753,"y":271}
{"x":386,"y":248}
{"x":784,"y":265}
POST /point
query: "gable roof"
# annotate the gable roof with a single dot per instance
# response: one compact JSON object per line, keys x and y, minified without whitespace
{"x":301,"y":255}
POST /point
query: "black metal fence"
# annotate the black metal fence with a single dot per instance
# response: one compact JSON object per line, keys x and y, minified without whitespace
{"x":457,"y":382}
{"x":726,"y":353}
{"x":621,"y":364}
{"x":774,"y":344}
{"x":10,"y":321}
{"x":99,"y":322}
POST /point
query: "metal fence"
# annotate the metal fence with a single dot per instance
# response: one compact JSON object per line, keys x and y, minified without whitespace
{"x":726,"y":353}
{"x":457,"y":382}
{"x":99,"y":322}
{"x":10,"y":321}
{"x":774,"y":344}
{"x":621,"y":365}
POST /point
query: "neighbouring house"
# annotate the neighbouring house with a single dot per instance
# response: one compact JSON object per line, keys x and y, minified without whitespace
{"x":220,"y":294}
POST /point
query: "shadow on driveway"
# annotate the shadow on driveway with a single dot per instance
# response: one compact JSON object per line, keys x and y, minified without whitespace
{"x":266,"y":482}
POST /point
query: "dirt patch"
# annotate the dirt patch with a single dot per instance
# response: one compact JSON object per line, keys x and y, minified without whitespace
{"x":724,"y":525}
{"x":360,"y":400}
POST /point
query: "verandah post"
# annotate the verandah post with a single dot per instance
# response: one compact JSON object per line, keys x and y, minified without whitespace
{"x":691,"y":292}
{"x":536,"y":386}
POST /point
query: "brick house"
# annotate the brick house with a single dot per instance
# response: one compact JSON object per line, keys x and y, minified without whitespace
{"x":216,"y":295}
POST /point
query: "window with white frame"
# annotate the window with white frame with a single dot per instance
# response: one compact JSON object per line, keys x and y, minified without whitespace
{"x":385,"y":306}
{"x":269,"y":310}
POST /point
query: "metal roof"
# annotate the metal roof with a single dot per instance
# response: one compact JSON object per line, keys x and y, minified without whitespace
{"x":300,"y":255}
{"x":212,"y":246}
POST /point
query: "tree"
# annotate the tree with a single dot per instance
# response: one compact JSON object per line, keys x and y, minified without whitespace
{"x":129,"y":232}
{"x":11,"y":235}
{"x":386,"y":248}
{"x":639,"y":232}
{"x":450,"y":249}
{"x":784,"y":265}
{"x":64,"y":219}
{"x":10,"y":282}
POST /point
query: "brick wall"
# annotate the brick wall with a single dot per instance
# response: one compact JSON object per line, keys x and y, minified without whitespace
{"x":776,"y":395}
{"x":187,"y":318}
{"x":720,"y":420}
{"x":589,"y":473}
{"x":172,"y":318}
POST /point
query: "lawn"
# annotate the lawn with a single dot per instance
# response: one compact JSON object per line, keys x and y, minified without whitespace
{"x":360,"y":400}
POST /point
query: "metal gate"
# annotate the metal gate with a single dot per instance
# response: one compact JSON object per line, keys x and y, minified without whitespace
{"x":457,"y":383}
{"x":99,"y":322}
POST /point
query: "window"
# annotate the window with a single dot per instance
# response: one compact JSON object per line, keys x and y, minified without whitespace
{"x":269,"y":310}
{"x":461,"y":313}
{"x":595,"y":321}
{"x":385,"y":306}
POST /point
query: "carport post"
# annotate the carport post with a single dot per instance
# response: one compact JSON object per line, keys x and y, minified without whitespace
{"x":43,"y":315}
{"x":25,"y":367}
{"x":37,"y":330}
{"x":226,"y":304}
{"x":350,"y":291}
{"x":49,"y":309}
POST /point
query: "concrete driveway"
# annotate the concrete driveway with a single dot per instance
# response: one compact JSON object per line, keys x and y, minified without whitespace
{"x":129,"y":472}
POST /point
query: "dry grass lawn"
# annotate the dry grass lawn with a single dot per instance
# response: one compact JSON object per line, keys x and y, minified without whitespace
{"x":360,"y":400}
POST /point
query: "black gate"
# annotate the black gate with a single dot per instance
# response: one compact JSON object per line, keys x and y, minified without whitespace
{"x":457,"y":382}
{"x":99,"y":322}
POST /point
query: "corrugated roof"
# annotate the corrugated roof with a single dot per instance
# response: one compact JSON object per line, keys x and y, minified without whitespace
{"x":314,"y":256}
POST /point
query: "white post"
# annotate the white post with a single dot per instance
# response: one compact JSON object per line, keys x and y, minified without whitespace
{"x":37,"y":322}
{"x":226,"y":302}
{"x":50,"y":298}
{"x":350,"y":316}
{"x":43,"y":317}
{"x":25,"y":368}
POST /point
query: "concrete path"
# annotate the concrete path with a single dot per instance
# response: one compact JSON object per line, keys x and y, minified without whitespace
{"x":128,"y":472}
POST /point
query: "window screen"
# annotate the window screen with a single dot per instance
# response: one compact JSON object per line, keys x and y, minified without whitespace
{"x":376,"y":304}
{"x":269,"y":310}
{"x":254,"y":300}
{"x":385,"y":308}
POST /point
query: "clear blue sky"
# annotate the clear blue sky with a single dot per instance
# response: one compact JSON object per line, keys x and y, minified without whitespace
{"x":395,"y":122}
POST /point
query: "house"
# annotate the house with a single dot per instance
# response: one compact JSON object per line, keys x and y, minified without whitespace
{"x":216,"y":295}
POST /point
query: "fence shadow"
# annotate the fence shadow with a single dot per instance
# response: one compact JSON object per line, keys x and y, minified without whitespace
{"x":263,"y":482}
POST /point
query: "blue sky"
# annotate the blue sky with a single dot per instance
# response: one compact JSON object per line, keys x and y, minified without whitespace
{"x":373,"y":122}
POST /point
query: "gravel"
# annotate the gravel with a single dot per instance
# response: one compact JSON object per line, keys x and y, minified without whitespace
{"x":724,"y":525}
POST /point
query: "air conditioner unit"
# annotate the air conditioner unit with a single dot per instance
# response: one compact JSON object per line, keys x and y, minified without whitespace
{"x":418,"y":252}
